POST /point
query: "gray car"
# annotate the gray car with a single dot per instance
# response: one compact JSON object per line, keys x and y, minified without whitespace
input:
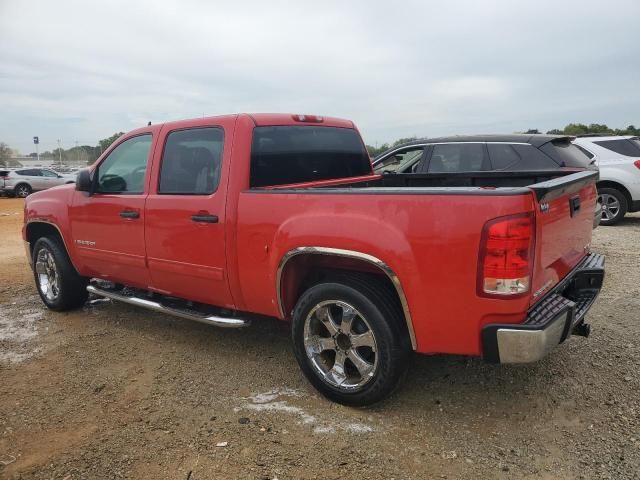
{"x":23,"y":181}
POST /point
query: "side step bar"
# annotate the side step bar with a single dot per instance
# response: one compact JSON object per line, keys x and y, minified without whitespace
{"x":225,"y":322}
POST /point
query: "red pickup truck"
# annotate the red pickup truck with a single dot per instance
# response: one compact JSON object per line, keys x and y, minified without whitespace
{"x":230,"y":219}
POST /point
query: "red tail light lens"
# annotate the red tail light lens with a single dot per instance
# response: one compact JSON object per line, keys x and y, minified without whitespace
{"x":637,"y":163}
{"x":506,"y":256}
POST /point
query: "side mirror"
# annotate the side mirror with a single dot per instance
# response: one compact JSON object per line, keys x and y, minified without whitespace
{"x":84,"y":182}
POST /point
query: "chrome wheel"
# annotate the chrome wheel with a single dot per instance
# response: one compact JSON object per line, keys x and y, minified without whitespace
{"x":340,"y":344}
{"x":23,"y":191}
{"x":610,"y":206}
{"x":48,"y":279}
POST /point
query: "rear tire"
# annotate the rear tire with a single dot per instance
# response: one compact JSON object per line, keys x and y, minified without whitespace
{"x":614,"y":205}
{"x":59,"y":285}
{"x":350,"y":341}
{"x":22,"y":190}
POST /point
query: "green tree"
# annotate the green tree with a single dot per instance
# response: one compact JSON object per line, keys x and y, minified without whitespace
{"x":5,"y":154}
{"x":555,"y":131}
{"x":375,"y":151}
{"x":532,"y":131}
{"x":400,"y":141}
{"x":576,"y":129}
{"x":105,"y":142}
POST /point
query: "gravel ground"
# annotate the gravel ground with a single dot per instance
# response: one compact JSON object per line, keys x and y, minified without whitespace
{"x":112,"y":391}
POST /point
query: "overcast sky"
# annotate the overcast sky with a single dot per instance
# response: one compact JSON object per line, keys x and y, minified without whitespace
{"x":81,"y":70}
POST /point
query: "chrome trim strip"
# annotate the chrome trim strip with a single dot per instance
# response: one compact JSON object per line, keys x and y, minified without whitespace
{"x":348,"y":254}
{"x":214,"y":320}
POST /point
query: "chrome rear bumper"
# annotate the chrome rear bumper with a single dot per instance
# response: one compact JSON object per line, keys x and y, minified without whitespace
{"x":550,"y":321}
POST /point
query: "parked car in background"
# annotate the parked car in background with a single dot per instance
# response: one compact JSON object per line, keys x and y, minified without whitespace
{"x":618,"y":158}
{"x":24,"y":181}
{"x":495,"y":160}
{"x":476,"y":153}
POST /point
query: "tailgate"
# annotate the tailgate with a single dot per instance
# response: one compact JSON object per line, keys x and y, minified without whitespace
{"x":564,"y":223}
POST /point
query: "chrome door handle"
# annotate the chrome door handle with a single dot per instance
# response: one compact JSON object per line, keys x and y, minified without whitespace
{"x":129,"y":214}
{"x":204,"y":218}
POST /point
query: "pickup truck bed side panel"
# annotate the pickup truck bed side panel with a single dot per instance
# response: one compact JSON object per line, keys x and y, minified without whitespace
{"x":436,"y":271}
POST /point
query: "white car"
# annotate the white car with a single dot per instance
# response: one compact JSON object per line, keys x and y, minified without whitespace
{"x":618,"y":158}
{"x":21,"y":182}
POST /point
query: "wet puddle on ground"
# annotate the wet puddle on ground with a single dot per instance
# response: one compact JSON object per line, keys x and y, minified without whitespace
{"x":280,"y":401}
{"x":20,"y":325}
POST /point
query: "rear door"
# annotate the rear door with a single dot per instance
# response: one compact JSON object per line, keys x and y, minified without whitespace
{"x":564,"y":223}
{"x":185,"y":213}
{"x":33,"y":177}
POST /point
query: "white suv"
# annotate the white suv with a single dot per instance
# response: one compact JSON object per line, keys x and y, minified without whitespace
{"x":618,"y":158}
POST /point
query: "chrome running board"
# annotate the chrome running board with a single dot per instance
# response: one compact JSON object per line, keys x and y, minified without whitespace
{"x":217,"y":321}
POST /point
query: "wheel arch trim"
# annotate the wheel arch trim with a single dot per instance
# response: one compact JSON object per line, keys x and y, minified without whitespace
{"x":50,"y":223}
{"x":338,"y":252}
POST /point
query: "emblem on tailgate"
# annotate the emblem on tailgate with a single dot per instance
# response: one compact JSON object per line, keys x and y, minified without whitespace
{"x":544,"y":207}
{"x":542,"y":289}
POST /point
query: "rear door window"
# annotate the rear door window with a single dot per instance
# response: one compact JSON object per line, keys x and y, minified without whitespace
{"x":565,"y":153}
{"x":29,"y":172}
{"x":48,"y":173}
{"x":191,"y":161}
{"x":502,"y":156}
{"x":622,"y":146}
{"x":457,"y":157}
{"x":283,"y":155}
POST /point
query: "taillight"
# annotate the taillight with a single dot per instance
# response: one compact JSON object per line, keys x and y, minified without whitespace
{"x":637,"y":163}
{"x":506,"y":256}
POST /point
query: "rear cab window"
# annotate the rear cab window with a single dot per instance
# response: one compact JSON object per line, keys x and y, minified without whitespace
{"x":282,"y":155}
{"x":626,"y":147}
{"x":565,"y":153}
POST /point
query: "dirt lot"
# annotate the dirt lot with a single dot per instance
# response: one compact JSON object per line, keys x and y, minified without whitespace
{"x":117,"y":392}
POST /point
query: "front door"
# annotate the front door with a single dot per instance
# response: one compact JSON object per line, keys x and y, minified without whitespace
{"x":185,"y":216}
{"x":108,"y":226}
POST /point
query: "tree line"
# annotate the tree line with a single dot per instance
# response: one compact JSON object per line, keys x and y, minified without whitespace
{"x":89,"y":154}
{"x":572,"y":129}
{"x":82,"y":153}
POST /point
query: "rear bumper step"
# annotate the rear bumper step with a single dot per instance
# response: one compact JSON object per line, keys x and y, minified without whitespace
{"x":550,"y":321}
{"x":215,"y":320}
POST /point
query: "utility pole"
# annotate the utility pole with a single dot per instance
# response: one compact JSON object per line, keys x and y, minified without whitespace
{"x":77,"y":152}
{"x":59,"y":153}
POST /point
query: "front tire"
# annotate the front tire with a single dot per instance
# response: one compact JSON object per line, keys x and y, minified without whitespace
{"x":614,"y":205}
{"x":59,"y":285}
{"x":349,"y":340}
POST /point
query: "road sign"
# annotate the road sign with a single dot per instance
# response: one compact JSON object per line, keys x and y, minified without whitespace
{"x":36,"y":140}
